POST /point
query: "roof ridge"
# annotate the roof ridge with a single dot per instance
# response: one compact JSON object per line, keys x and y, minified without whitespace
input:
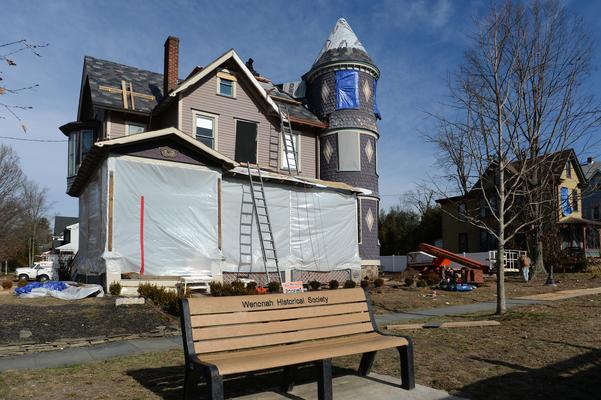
{"x":121,"y":64}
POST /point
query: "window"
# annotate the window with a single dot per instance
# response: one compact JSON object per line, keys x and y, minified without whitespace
{"x":566,"y":208}
{"x":246,"y":142}
{"x":347,"y":90}
{"x":462,"y":212}
{"x":568,"y":169}
{"x":462,"y":244}
{"x":575,"y":199}
{"x":205,"y":130}
{"x":80,"y":144}
{"x":483,"y":208}
{"x":134,"y":128}
{"x":226,"y":83}
{"x":595,"y":212}
{"x":287,"y":157}
{"x":226,"y":87}
{"x":349,"y":155}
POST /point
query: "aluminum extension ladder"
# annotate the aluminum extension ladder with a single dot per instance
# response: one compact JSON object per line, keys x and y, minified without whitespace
{"x":287,"y":139}
{"x":257,"y":191}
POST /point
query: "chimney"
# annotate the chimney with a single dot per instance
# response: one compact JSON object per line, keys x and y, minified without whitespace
{"x":170,"y":76}
{"x":590,"y":160}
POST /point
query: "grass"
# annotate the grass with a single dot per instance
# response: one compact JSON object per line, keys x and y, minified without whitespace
{"x":545,"y":351}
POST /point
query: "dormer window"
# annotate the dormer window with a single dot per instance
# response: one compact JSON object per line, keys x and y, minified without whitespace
{"x":226,"y":84}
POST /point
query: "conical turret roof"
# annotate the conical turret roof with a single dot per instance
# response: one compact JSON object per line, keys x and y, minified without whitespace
{"x":342,"y":45}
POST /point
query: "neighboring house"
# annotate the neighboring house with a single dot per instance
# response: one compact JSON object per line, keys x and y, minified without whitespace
{"x":159,"y":165}
{"x":566,"y":213}
{"x":591,"y":196}
{"x":61,"y":235}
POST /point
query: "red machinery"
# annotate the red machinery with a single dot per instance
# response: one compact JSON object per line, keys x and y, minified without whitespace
{"x":473,"y":270}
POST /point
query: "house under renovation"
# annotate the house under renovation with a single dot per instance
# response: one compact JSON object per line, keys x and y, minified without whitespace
{"x":224,"y":173}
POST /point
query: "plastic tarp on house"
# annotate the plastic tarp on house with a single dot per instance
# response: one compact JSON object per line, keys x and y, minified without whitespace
{"x":165,"y":222}
{"x":347,"y":89}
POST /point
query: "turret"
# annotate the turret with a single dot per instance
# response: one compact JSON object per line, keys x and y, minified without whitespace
{"x":341,"y":90}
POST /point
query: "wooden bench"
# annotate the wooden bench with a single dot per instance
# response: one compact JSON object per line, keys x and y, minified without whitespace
{"x":240,"y":334}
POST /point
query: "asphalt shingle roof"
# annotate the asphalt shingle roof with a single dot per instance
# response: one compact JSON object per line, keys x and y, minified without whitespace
{"x":110,"y":74}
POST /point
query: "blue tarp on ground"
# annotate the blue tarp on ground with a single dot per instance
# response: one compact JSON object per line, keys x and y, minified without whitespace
{"x":347,"y":90}
{"x":52,"y":285}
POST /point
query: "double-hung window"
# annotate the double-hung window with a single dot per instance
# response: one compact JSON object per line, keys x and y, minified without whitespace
{"x":205,"y":130}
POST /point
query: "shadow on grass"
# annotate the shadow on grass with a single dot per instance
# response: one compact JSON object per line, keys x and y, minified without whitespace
{"x":167,"y":382}
{"x":574,"y":378}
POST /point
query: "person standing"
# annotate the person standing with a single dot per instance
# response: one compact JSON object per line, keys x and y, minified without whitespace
{"x":525,"y":264}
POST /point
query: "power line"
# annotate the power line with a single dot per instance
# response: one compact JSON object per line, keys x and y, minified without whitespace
{"x":32,"y":140}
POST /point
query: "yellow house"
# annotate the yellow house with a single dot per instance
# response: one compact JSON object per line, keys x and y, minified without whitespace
{"x":575,"y":232}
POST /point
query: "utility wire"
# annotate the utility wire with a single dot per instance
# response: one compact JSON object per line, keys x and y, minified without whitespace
{"x":33,"y":140}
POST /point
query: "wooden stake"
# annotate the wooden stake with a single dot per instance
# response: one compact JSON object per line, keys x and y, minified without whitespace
{"x":124,"y":94}
{"x":110,"y":221}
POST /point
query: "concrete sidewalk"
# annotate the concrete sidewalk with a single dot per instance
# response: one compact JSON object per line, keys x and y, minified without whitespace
{"x":489,"y":306}
{"x":79,"y":355}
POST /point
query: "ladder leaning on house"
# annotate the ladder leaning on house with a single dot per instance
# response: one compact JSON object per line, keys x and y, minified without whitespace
{"x":288,"y":140}
{"x":257,"y":192}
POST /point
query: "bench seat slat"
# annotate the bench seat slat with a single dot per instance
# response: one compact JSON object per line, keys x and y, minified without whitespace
{"x":209,"y":346}
{"x":259,"y":328}
{"x":245,"y":361}
{"x":198,"y":321}
{"x":227,"y":304}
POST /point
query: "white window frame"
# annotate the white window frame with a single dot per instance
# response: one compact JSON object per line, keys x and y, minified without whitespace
{"x":136,"y":124}
{"x":226,"y":75}
{"x":296,"y":137}
{"x":206,"y":115}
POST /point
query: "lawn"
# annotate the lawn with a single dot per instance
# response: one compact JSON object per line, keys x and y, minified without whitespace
{"x":403,"y":298}
{"x":550,"y":351}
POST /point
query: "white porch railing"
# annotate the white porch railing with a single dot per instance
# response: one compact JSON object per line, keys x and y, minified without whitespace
{"x":512,"y":263}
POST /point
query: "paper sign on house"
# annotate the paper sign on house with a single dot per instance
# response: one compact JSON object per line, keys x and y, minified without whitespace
{"x":292,"y":287}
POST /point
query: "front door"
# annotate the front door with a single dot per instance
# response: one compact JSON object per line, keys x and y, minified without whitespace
{"x":246,"y":142}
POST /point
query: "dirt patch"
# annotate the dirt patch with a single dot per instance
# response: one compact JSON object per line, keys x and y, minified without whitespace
{"x":401,"y":299}
{"x":43,"y":320}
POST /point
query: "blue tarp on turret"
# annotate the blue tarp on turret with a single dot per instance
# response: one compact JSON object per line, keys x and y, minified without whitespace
{"x":347,"y":90}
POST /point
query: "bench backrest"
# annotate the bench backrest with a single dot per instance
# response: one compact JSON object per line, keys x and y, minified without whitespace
{"x":212,"y":324}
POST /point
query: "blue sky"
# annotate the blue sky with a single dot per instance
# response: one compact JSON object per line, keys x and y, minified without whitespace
{"x":416,"y":44}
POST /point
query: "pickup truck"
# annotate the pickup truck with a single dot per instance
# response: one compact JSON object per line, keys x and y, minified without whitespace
{"x":40,"y":271}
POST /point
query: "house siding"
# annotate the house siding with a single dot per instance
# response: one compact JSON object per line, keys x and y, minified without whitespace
{"x":203,"y":98}
{"x":571,"y":183}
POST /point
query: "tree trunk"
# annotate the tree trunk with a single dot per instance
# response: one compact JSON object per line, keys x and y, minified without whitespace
{"x":501,"y":304}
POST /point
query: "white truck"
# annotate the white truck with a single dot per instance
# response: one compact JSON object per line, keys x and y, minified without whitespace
{"x":41,"y":271}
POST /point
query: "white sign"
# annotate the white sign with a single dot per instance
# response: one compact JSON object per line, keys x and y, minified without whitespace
{"x":292,"y":287}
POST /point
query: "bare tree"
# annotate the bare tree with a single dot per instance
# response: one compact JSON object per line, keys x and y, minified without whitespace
{"x":11,"y":179}
{"x":421,"y":198}
{"x":35,"y":205}
{"x":515,"y":104}
{"x":9,"y":51}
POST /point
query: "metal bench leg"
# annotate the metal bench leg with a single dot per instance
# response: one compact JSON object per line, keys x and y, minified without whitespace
{"x":407,"y":371}
{"x":367,"y":360}
{"x":324,"y":380}
{"x":214,"y":383}
{"x":289,"y":378}
{"x":189,"y":383}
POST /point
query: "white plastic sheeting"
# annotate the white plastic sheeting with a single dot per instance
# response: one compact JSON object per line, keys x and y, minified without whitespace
{"x":176,"y":234}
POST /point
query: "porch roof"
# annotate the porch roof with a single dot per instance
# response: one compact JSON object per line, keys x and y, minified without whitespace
{"x":577,"y":220}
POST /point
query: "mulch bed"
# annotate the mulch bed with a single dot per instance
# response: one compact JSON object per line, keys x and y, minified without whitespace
{"x":51,"y":319}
